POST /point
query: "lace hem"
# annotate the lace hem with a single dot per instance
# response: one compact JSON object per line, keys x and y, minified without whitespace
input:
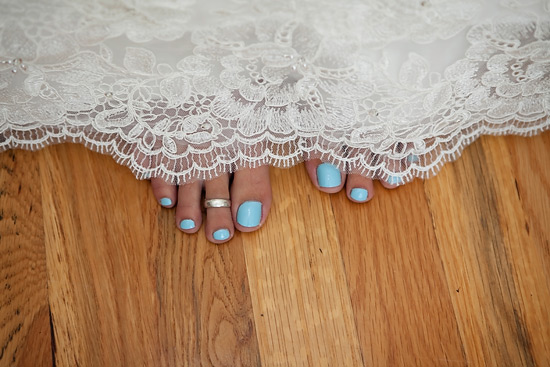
{"x":267,"y":86}
{"x":445,"y":149}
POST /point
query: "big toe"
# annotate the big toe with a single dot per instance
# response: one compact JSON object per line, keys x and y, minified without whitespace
{"x":251,"y":198}
{"x":325,"y":176}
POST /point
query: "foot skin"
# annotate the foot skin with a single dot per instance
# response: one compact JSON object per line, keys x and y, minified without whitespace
{"x":250,"y":195}
{"x":329,"y":179}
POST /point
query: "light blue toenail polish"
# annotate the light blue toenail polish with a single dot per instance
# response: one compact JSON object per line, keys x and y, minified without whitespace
{"x":328,"y":175}
{"x":221,"y":234}
{"x":249,"y":214}
{"x":393,"y":180}
{"x":359,"y":194}
{"x":165,"y":202}
{"x":412,"y":158}
{"x":187,"y":224}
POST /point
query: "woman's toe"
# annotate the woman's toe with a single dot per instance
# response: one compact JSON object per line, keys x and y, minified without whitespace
{"x":391,"y":181}
{"x":164,"y":192}
{"x":251,"y":198}
{"x":219,"y":223}
{"x":325,"y":176}
{"x":188,"y":212}
{"x":359,"y":189}
{"x":395,"y":177}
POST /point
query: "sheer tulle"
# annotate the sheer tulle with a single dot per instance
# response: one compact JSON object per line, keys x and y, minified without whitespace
{"x":189,"y":90}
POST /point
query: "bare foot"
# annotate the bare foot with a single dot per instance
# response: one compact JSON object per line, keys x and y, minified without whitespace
{"x":250,"y":195}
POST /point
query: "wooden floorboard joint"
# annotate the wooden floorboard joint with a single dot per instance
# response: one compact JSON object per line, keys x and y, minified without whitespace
{"x":347,"y":280}
{"x":52,"y":337}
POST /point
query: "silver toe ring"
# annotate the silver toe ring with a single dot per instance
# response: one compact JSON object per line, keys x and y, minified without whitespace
{"x":217,"y":203}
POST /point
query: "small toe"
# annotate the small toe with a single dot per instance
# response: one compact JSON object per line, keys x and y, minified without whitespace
{"x":188,"y":211}
{"x":394,"y":178}
{"x":359,"y":189}
{"x":251,"y":198}
{"x":325,"y":176}
{"x":164,"y":192}
{"x":219,"y":223}
{"x":392,"y":182}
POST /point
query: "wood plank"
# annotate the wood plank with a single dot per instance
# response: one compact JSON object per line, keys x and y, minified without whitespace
{"x":488,"y":256}
{"x":529,"y":162}
{"x":527,"y":227}
{"x":25,"y":338}
{"x":400,"y":296}
{"x":206,"y":309}
{"x":128,"y":288}
{"x":301,"y":301}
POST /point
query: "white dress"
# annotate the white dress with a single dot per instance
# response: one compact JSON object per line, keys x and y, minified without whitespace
{"x":187,"y":90}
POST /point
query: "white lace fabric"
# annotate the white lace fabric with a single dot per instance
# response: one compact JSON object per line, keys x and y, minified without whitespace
{"x":188,"y":90}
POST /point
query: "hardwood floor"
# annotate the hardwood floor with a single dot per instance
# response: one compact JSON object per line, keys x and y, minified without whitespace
{"x":452,"y":271}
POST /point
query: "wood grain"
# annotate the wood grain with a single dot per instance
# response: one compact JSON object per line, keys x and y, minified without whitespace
{"x":401,"y":301}
{"x":452,"y":271}
{"x":301,"y":300}
{"x":206,"y":309}
{"x":128,"y":288}
{"x":24,"y":312}
{"x":488,"y":255}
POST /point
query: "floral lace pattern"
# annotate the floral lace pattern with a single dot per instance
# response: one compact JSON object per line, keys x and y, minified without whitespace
{"x":189,"y":90}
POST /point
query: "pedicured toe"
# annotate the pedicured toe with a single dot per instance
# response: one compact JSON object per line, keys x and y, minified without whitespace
{"x":187,"y":224}
{"x":359,"y":195}
{"x":328,"y":175}
{"x":360,"y":189}
{"x":251,"y":198}
{"x":167,"y":202}
{"x":325,"y":176}
{"x":221,"y":234}
{"x":391,"y":182}
{"x":164,"y":192}
{"x":249,"y":214}
{"x":219,"y":222}
{"x":189,"y":211}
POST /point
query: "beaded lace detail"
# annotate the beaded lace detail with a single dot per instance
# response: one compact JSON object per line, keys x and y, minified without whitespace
{"x":189,"y":90}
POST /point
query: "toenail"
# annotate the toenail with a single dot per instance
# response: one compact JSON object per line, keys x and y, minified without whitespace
{"x":359,"y":194}
{"x":412,"y":158}
{"x":165,"y":202}
{"x":221,"y":234}
{"x":394,"y":180}
{"x":187,"y":224}
{"x":328,"y":175}
{"x":249,"y":214}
